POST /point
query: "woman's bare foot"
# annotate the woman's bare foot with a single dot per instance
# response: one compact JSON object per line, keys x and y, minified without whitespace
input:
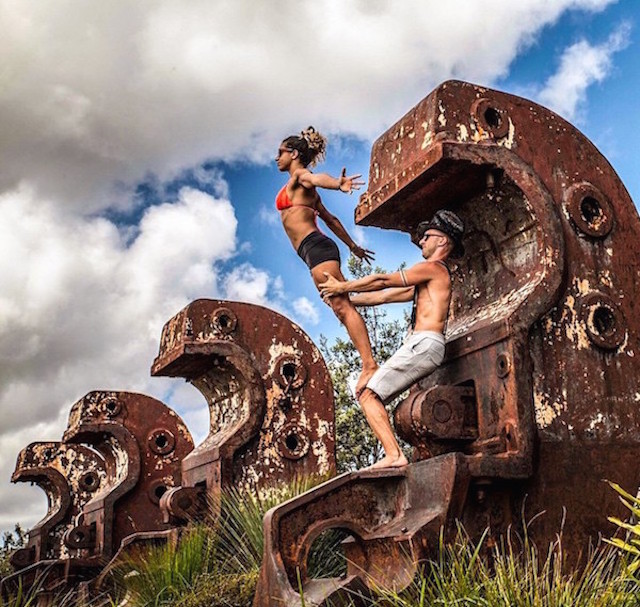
{"x":389,"y":462}
{"x":364,"y":378}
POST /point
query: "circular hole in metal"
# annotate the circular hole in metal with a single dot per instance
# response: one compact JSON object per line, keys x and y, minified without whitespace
{"x":591,"y":210}
{"x":291,"y":373}
{"x":503,"y":365}
{"x":604,"y":322}
{"x":289,"y":370}
{"x":89,"y":481}
{"x":492,"y":117}
{"x":161,"y":441}
{"x":292,"y":442}
{"x":159,"y":491}
{"x":224,"y":321}
{"x":48,"y":453}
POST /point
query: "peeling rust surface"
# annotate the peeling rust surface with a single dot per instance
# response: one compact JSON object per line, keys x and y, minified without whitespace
{"x":269,"y":394}
{"x":537,"y":396}
{"x":70,"y":475}
{"x":143,"y":443}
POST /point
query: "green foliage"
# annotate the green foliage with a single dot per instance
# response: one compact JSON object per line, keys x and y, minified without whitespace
{"x":630,"y":545}
{"x":11,"y":541}
{"x":356,"y":446}
{"x":216,"y":563}
{"x":514,"y":574}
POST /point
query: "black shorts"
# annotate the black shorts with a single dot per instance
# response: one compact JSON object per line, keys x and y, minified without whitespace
{"x":316,"y":248}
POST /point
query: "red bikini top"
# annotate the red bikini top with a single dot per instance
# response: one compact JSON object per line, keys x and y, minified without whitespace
{"x":282,"y":200}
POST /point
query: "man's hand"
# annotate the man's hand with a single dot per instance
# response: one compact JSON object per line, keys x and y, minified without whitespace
{"x":331,"y":287}
{"x":348,"y":184}
{"x":364,"y":254}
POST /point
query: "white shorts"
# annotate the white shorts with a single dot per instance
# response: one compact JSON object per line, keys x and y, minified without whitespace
{"x":421,"y":353}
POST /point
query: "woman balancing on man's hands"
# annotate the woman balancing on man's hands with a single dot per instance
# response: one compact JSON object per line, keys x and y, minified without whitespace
{"x":299,"y":205}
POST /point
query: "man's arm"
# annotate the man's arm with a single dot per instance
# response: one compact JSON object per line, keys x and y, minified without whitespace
{"x":376,"y":298}
{"x":421,"y":272}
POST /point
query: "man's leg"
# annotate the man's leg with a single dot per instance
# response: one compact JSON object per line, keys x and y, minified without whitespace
{"x":351,"y":319}
{"x":378,"y":419}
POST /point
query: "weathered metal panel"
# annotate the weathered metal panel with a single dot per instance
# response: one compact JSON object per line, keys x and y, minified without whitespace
{"x":143,"y":443}
{"x":269,"y":395}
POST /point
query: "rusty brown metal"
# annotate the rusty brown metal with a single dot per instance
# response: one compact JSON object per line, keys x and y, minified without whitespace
{"x":269,"y":394}
{"x":143,"y":443}
{"x":392,"y":517}
{"x":70,"y":475}
{"x":537,"y":396}
{"x":543,"y":325}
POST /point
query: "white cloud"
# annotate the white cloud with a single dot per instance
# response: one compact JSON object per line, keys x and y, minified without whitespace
{"x":82,"y":308}
{"x":93,"y":96}
{"x":306,"y":311}
{"x":581,"y":65}
{"x":268,"y":216}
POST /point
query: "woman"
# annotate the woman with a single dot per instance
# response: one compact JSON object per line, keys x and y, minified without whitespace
{"x":299,"y":205}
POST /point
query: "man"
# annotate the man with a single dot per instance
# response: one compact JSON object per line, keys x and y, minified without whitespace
{"x":428,"y":283}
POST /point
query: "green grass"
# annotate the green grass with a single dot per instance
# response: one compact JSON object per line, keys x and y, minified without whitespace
{"x":217,"y":562}
{"x":515,"y":573}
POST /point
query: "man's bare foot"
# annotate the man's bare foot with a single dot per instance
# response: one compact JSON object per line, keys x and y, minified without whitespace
{"x":364,"y":378}
{"x":389,"y":462}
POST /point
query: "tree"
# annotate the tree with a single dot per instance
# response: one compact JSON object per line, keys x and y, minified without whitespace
{"x":11,"y":541}
{"x":356,"y":446}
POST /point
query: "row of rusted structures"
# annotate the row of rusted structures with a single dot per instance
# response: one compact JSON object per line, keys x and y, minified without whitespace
{"x":126,"y":471}
{"x":535,"y":404}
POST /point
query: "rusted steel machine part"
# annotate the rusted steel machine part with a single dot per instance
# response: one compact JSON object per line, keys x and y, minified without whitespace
{"x":392,"y":517}
{"x":538,"y":393}
{"x":70,"y":475}
{"x":269,"y":394}
{"x":143,"y":443}
{"x":541,"y":379}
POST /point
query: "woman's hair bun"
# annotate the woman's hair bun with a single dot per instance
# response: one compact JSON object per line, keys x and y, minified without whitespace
{"x":317,"y":144}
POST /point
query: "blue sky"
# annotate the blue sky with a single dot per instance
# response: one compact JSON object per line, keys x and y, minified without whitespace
{"x":137,"y":174}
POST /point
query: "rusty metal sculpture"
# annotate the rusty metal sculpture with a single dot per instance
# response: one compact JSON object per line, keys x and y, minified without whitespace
{"x":70,"y":475}
{"x":143,"y":443}
{"x":269,"y":394}
{"x":537,"y":397}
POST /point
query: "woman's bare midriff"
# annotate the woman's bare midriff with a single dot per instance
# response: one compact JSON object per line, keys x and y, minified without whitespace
{"x":298,"y":221}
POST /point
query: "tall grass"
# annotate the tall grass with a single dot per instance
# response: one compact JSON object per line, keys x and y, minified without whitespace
{"x":216,"y":562}
{"x":514,"y":573}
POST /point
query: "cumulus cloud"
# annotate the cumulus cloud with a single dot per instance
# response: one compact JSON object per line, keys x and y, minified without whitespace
{"x":581,"y":65}
{"x":306,"y":311}
{"x":93,"y":98}
{"x":82,"y":307}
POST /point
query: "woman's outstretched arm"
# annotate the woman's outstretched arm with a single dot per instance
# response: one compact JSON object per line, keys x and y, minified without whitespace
{"x":344,"y":183}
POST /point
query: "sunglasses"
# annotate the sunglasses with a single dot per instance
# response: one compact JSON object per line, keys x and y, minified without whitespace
{"x":282,"y":151}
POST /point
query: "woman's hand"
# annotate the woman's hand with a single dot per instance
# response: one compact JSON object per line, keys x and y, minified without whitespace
{"x":332,"y":286}
{"x":362,"y":253}
{"x":348,"y":184}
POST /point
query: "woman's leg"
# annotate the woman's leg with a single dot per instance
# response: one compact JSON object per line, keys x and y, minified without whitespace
{"x":351,"y":319}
